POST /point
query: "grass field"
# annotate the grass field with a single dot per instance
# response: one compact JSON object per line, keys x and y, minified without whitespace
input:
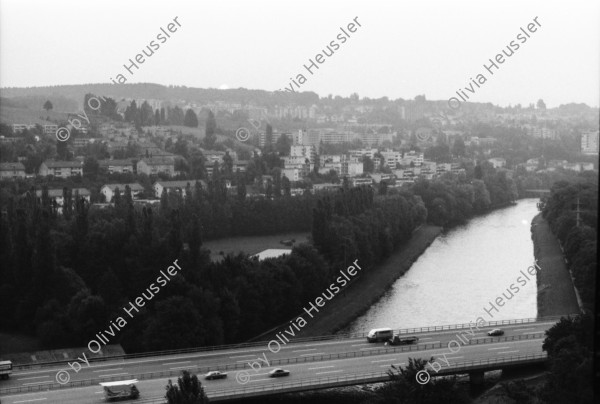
{"x":10,"y":115}
{"x":251,"y":245}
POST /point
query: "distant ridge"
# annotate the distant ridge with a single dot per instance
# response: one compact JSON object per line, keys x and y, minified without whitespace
{"x":158,"y":91}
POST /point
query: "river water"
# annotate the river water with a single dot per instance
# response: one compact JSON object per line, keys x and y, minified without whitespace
{"x":462,"y":271}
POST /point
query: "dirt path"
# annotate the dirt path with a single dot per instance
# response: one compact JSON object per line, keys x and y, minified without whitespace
{"x":556,"y":294}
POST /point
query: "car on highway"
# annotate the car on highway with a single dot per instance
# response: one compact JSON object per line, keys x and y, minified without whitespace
{"x":120,"y":390}
{"x":380,"y":334}
{"x":279,"y":372}
{"x":495,"y":332}
{"x":215,"y":374}
{"x":5,"y":369}
{"x":396,"y":340}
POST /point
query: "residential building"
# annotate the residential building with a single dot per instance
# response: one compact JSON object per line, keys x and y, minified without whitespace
{"x":331,"y":158}
{"x":308,"y":152}
{"x":372,"y":138}
{"x":352,"y":168}
{"x":327,"y":167}
{"x":377,"y":177}
{"x":589,"y":142}
{"x":175,"y":186}
{"x":358,"y":154}
{"x":155,"y":165}
{"x":56,"y":196}
{"x":63,"y":169}
{"x":117,"y":166}
{"x":19,"y":127}
{"x":498,"y":162}
{"x":356,"y":182}
{"x":532,"y":164}
{"x":412,"y":158}
{"x":292,"y":174}
{"x":262,"y":138}
{"x":325,"y":187}
{"x":50,"y":129}
{"x":108,"y":190}
{"x":332,"y":137}
{"x":12,"y":170}
{"x":391,"y":158}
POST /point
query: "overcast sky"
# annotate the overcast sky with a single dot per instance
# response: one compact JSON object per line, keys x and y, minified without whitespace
{"x":402,"y":48}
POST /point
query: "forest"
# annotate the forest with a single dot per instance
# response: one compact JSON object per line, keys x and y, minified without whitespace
{"x":66,"y":275}
{"x":577,"y":232}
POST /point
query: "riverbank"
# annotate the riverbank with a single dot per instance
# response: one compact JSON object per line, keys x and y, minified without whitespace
{"x":556,"y":293}
{"x":368,"y":289}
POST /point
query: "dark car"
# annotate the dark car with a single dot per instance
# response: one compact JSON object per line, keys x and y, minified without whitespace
{"x":279,"y":372}
{"x":215,"y":374}
{"x":396,"y":340}
{"x":495,"y":332}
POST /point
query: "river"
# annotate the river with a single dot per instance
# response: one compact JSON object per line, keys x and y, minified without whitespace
{"x":462,"y":271}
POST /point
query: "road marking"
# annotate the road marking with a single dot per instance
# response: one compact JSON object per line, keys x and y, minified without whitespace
{"x":304,"y":350}
{"x":392,"y":364}
{"x":116,"y":374}
{"x":524,"y":329}
{"x":28,"y":401}
{"x":330,"y":371}
{"x":367,"y":349}
{"x":359,"y":344}
{"x":184,"y":367}
{"x":27,"y":384}
{"x":502,"y":347}
{"x":32,"y":373}
{"x":425,"y":338}
{"x":321,"y":367}
{"x":454,"y":357}
{"x":312,"y":354}
{"x":258,"y":380}
{"x":434,"y":342}
{"x":500,"y":353}
{"x":106,"y":370}
{"x":241,"y":356}
{"x":176,"y":363}
{"x":386,"y":360}
{"x":525,"y":333}
{"x":36,"y":377}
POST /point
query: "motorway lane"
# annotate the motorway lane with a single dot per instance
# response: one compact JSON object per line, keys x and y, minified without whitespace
{"x":302,"y":371}
{"x":123,"y":369}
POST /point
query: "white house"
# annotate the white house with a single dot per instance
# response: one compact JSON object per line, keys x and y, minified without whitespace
{"x":108,"y":190}
{"x":177,"y":186}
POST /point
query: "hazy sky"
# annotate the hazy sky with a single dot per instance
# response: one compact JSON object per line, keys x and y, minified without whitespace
{"x":401,"y":49}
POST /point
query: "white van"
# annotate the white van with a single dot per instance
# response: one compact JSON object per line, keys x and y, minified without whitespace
{"x":120,"y":390}
{"x":379,"y":334}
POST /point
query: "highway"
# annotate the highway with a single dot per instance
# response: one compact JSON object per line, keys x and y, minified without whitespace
{"x":318,"y":359}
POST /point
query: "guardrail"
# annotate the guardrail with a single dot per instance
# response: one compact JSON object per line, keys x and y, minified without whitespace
{"x":297,"y":340}
{"x":352,"y":379}
{"x":282,"y":361}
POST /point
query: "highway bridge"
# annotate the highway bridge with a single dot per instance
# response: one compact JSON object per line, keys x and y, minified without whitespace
{"x":314,"y":363}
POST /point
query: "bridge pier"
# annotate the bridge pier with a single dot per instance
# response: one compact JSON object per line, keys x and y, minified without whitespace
{"x":476,"y":378}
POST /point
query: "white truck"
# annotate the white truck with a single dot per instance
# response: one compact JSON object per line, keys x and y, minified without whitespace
{"x":5,"y":369}
{"x":121,"y":390}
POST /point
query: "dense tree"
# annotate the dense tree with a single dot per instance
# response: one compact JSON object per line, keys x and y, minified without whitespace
{"x":210,"y":129}
{"x":190,"y":120}
{"x":188,"y":390}
{"x":48,"y":105}
{"x":283,"y":145}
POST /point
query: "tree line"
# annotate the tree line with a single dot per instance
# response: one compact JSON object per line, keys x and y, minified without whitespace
{"x":65,"y":275}
{"x":572,"y":212}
